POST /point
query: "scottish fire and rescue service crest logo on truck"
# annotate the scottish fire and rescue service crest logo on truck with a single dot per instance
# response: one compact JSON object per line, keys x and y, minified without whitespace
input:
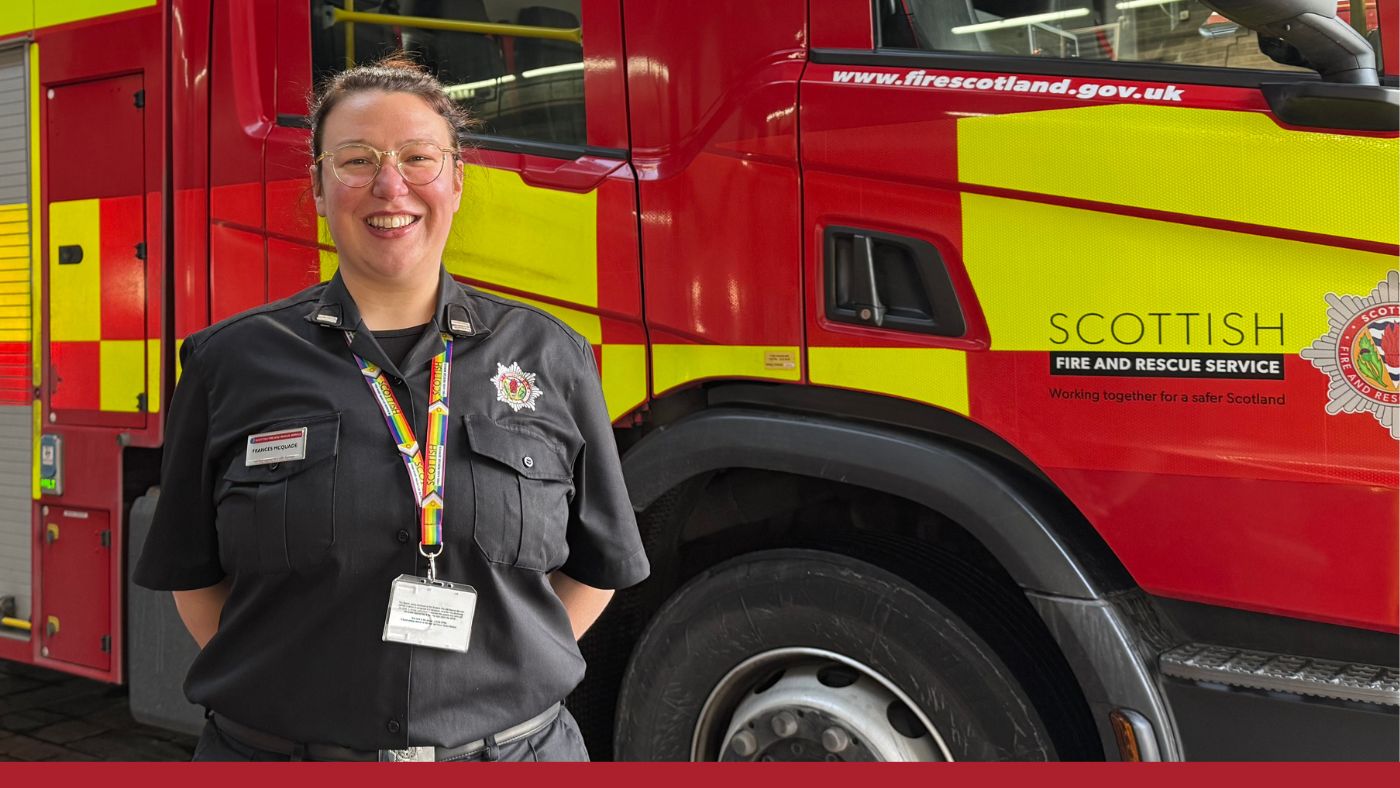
{"x":516,"y":387}
{"x":1361,"y":353}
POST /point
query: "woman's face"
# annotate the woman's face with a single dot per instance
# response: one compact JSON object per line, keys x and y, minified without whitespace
{"x":363,"y":220}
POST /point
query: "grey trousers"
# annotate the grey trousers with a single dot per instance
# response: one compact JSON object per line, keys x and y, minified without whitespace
{"x":559,"y":741}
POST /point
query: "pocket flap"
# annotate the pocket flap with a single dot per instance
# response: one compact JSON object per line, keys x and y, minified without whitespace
{"x":322,"y":442}
{"x":532,"y":456}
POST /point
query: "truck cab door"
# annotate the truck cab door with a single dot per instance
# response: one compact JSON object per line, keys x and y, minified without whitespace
{"x":548,"y":212}
{"x":1081,"y":225}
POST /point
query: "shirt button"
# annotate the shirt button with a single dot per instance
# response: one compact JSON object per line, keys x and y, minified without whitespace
{"x":398,"y":381}
{"x":403,"y":536}
{"x":393,"y":726}
{"x":274,"y":466}
{"x":529,"y":462}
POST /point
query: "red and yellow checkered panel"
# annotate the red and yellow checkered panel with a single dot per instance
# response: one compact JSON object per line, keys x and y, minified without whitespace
{"x":97,"y":307}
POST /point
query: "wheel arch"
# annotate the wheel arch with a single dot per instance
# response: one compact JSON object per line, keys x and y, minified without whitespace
{"x":1104,"y":625}
{"x":1002,"y":501}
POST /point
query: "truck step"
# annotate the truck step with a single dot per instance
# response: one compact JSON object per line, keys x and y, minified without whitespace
{"x":1284,"y":673}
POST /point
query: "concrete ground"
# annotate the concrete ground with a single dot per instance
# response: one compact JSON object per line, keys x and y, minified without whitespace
{"x":48,"y":716}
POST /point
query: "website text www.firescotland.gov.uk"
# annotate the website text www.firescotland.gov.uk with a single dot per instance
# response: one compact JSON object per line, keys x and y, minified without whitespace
{"x":1011,"y":84}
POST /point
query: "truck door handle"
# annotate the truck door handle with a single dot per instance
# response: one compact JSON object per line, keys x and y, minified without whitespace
{"x":581,"y":175}
{"x":70,"y":254}
{"x":889,"y":281}
{"x":865,"y":290}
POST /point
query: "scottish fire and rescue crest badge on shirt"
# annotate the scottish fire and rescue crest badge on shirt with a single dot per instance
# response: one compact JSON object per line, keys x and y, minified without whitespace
{"x":516,"y":387}
{"x":1361,"y":353}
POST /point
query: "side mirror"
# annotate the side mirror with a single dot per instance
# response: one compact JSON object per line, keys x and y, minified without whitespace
{"x":1335,"y":50}
{"x":1308,"y":33}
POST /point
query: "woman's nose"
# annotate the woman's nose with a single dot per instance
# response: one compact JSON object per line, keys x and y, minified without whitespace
{"x":388,"y":182}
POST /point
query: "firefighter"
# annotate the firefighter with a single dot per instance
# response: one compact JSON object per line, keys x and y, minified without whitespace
{"x":389,"y":504}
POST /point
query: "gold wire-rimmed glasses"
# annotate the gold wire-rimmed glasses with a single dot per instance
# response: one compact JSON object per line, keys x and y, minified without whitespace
{"x":356,"y":164}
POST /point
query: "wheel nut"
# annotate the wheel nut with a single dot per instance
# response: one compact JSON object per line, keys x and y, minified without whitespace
{"x":744,"y":744}
{"x":835,"y":740}
{"x":784,"y":724}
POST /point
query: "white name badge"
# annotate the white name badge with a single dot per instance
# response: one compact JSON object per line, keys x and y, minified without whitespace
{"x":269,"y":447}
{"x":436,"y":613}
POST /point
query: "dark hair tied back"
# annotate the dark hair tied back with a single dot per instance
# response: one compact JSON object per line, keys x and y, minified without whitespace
{"x":395,"y":73}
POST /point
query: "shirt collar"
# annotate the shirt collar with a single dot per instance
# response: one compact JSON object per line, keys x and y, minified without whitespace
{"x":453,"y":313}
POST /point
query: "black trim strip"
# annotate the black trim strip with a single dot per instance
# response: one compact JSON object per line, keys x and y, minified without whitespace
{"x":553,"y":150}
{"x":294,"y":121}
{"x":1105,"y":69}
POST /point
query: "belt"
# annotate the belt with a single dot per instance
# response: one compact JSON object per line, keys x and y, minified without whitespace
{"x":331,"y":752}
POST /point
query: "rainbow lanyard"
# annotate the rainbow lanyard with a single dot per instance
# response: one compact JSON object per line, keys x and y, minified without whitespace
{"x":426,"y":465}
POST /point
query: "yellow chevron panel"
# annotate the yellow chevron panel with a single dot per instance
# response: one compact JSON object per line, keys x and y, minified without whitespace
{"x":75,"y":312}
{"x":673,"y":365}
{"x":56,"y":12}
{"x":328,"y":259}
{"x":624,"y":378}
{"x":1097,"y":266}
{"x":123,"y":376}
{"x":1238,"y":166}
{"x":524,"y":238}
{"x":153,"y":375}
{"x":935,"y":376}
{"x":36,"y":288}
{"x":35,"y":455}
{"x":36,"y":349}
{"x":16,"y":16}
{"x":585,"y":323}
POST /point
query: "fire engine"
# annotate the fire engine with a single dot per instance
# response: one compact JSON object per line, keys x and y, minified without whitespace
{"x":995,"y":379}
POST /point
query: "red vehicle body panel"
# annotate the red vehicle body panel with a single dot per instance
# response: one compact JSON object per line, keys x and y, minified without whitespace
{"x":735,"y":129}
{"x":717,"y":154}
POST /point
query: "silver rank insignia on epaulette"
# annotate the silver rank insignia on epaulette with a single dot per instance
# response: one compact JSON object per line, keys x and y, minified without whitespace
{"x":460,"y":326}
{"x":328,"y":317}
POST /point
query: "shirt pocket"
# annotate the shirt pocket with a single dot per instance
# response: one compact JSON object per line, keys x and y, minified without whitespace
{"x":522,"y":486}
{"x":279,"y":517}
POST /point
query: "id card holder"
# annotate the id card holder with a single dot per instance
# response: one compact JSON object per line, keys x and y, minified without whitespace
{"x":431,"y":613}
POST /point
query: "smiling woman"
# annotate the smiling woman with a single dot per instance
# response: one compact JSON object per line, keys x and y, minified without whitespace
{"x":390,"y":224}
{"x":286,"y":524}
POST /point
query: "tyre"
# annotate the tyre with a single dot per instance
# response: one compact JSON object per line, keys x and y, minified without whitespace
{"x":806,"y":655}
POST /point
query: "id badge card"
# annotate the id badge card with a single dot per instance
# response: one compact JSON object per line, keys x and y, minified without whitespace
{"x":431,"y":613}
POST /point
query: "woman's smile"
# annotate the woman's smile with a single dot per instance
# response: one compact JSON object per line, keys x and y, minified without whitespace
{"x":391,"y":225}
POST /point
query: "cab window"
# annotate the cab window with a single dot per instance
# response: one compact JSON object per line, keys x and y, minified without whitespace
{"x":523,"y":84}
{"x":1179,"y":32}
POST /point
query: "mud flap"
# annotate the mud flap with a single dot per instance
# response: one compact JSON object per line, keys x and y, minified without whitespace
{"x":159,"y":650}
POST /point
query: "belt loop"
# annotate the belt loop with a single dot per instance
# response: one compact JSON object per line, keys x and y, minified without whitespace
{"x":493,"y":752}
{"x":298,"y":752}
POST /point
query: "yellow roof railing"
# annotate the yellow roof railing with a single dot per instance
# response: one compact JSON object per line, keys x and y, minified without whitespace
{"x":350,"y":17}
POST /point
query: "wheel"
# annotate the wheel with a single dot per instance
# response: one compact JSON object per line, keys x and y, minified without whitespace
{"x":806,"y":655}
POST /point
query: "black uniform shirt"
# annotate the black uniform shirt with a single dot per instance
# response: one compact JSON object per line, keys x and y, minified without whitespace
{"x":312,"y":545}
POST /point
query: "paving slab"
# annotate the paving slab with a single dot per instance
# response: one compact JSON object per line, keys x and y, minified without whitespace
{"x":126,"y":746}
{"x":67,"y":731}
{"x":46,"y":715}
{"x":22,"y":721}
{"x":24,"y":748}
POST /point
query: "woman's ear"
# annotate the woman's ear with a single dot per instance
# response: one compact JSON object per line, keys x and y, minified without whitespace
{"x":316,"y":192}
{"x":458,"y":176}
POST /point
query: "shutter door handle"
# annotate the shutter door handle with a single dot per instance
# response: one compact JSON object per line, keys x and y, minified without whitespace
{"x":70,"y":254}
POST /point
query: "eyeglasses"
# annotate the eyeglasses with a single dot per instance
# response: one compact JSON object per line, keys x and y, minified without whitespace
{"x":356,"y":165}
